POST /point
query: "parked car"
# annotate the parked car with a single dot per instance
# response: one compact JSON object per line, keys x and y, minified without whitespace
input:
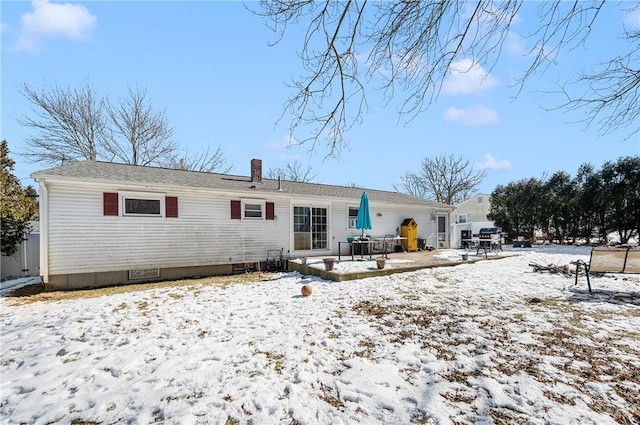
{"x":522,"y":242}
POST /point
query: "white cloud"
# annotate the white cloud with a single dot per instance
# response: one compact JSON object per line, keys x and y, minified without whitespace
{"x":475,"y":116}
{"x":491,"y":163}
{"x":290,"y":158}
{"x":53,"y":20}
{"x":514,"y":45}
{"x":289,"y":147}
{"x":632,"y":18}
{"x":289,"y":142}
{"x":467,"y":76}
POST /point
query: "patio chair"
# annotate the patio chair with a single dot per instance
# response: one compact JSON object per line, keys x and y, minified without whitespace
{"x":274,"y":259}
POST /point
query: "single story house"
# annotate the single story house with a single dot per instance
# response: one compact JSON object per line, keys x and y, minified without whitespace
{"x":468,"y":218}
{"x":106,"y":224}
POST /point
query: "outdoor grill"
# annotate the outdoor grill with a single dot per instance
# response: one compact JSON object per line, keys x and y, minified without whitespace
{"x":490,"y":237}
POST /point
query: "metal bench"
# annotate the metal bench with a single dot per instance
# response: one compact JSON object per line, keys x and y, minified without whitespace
{"x":623,"y":259}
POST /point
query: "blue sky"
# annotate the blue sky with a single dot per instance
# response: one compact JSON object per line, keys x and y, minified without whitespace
{"x":209,"y":65}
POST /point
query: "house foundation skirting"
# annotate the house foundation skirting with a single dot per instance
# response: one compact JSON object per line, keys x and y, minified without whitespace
{"x":64,"y":282}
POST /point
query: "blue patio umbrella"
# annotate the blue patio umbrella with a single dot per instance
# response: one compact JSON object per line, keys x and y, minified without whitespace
{"x":363,"y":220}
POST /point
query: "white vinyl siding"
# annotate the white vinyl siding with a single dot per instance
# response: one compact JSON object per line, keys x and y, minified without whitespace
{"x":475,"y":209}
{"x":81,"y":239}
{"x":389,"y":219}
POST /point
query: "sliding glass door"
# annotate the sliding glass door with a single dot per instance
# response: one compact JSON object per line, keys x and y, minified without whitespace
{"x":310,"y":228}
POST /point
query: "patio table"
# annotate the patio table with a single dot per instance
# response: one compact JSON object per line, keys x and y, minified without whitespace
{"x":387,"y":243}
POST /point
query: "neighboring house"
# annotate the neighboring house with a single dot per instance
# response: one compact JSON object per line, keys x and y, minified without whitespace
{"x":468,"y":218}
{"x":105,"y":223}
{"x":25,"y":262}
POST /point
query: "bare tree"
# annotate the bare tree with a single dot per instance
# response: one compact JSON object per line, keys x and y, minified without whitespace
{"x":139,"y":135}
{"x":69,"y":122}
{"x":612,"y":95}
{"x":205,"y":162}
{"x":294,"y":172}
{"x":447,"y":179}
{"x":76,"y":124}
{"x":412,"y":46}
{"x":412,"y":184}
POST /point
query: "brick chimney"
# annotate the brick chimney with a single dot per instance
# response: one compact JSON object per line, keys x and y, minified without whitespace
{"x":256,"y":170}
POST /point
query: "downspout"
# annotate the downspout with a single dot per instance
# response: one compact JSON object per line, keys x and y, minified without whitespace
{"x":44,"y":231}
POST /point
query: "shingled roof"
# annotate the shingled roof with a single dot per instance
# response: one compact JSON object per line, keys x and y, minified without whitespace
{"x":108,"y":172}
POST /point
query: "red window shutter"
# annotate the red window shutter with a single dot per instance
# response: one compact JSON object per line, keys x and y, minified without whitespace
{"x":171,"y":205}
{"x":270,"y":211}
{"x":236,"y":210}
{"x":110,"y":203}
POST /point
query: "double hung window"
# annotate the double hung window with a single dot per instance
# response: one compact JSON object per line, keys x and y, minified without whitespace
{"x":253,"y":209}
{"x":353,"y":217}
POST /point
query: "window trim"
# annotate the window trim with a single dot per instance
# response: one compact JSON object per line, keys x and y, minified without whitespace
{"x":459,"y":216}
{"x":149,"y":196}
{"x":249,"y":201}
{"x":351,"y":220}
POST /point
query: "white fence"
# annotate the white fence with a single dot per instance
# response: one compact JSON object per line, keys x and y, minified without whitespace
{"x":25,"y":262}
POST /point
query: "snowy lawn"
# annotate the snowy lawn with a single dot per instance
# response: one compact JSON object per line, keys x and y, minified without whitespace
{"x":491,"y":342}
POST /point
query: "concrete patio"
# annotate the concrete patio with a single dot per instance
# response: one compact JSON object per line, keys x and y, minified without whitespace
{"x":397,"y":262}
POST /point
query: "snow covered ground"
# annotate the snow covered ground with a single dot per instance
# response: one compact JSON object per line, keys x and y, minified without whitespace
{"x":491,"y":342}
{"x":9,"y":285}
